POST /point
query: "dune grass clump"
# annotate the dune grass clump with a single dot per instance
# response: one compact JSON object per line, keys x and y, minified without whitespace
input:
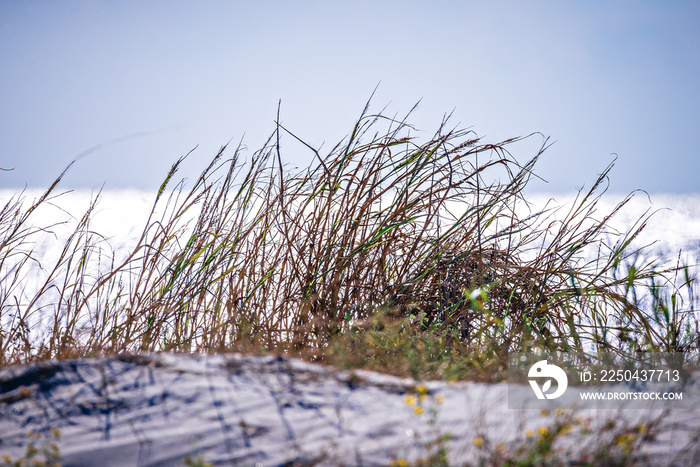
{"x":386,"y":244}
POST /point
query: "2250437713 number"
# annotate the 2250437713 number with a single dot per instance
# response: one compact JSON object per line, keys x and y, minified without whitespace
{"x":612,"y":376}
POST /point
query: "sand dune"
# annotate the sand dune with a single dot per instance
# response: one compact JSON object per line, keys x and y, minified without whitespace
{"x":246,"y":410}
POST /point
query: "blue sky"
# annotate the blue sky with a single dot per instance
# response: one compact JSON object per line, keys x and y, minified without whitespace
{"x":145,"y":82}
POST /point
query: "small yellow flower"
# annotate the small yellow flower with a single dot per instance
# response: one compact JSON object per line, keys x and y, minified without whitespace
{"x":544,"y":413}
{"x":478,"y":441}
{"x":642,"y":428}
{"x":543,"y":430}
{"x":400,"y":463}
{"x":625,"y":442}
{"x":529,"y":433}
{"x":418,"y":410}
{"x":558,"y":412}
{"x":440,"y":399}
{"x":500,"y":447}
{"x":625,"y":439}
{"x":410,"y":400}
{"x":421,"y":389}
{"x":422,"y":397}
{"x":566,"y":429}
{"x":6,"y":459}
{"x":31,"y":450}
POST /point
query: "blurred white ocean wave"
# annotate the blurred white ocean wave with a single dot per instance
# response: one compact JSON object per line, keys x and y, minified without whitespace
{"x":121,"y":215}
{"x":119,"y":218}
{"x":673,"y":226}
{"x":118,"y":214}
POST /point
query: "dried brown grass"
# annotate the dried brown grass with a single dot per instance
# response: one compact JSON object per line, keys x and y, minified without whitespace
{"x":256,"y":256}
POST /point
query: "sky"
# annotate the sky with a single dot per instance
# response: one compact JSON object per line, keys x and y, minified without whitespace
{"x":127,"y":87}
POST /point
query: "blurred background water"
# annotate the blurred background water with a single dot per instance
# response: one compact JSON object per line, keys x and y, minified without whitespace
{"x":121,"y":216}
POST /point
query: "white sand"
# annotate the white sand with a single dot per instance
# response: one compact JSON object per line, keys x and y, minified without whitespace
{"x":243,"y":410}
